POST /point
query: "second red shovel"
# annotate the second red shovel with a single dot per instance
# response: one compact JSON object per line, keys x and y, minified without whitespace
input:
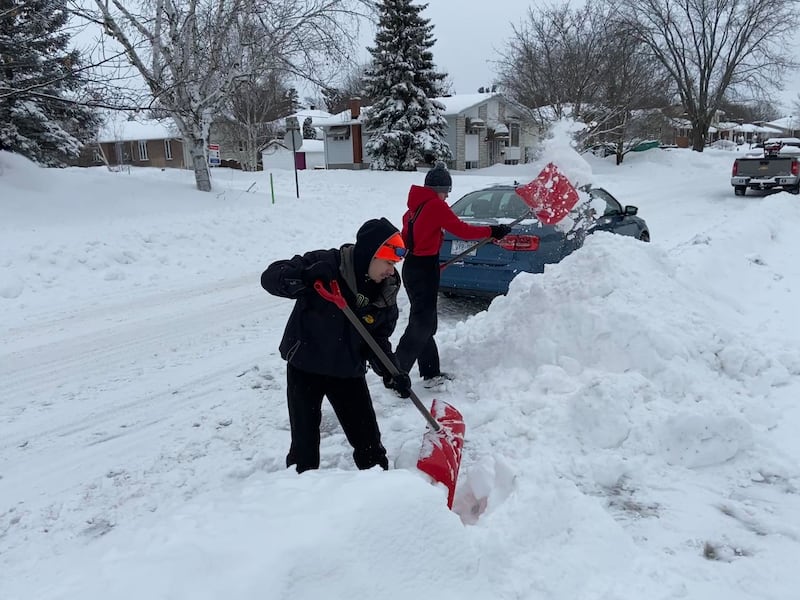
{"x":440,"y":455}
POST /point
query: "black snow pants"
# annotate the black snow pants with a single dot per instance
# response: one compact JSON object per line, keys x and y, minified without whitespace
{"x":352,"y":404}
{"x":421,"y":280}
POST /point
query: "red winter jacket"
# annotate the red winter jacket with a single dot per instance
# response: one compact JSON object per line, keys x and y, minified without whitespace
{"x":434,"y":216}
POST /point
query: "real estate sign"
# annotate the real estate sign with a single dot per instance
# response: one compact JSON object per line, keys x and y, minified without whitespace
{"x":213,"y":155}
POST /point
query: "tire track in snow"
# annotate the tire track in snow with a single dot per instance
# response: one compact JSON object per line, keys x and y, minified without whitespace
{"x":128,"y":399}
{"x":152,"y":348}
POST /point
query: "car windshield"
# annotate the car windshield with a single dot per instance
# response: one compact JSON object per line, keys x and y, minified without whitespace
{"x":491,"y":204}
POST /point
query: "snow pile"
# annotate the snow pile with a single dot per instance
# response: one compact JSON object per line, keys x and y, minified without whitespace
{"x":631,"y":413}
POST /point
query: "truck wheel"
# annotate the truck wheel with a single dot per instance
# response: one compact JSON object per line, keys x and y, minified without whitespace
{"x":740,"y":190}
{"x":795,"y":189}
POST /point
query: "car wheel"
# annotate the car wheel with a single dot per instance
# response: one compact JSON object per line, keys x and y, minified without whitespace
{"x":644,"y":236}
{"x":740,"y":190}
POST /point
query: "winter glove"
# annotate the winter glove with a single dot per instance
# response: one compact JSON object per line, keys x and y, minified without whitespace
{"x":319,"y":271}
{"x":500,"y":231}
{"x":400,"y":383}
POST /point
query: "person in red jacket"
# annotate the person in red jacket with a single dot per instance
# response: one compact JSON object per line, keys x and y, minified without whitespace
{"x":427,"y":215}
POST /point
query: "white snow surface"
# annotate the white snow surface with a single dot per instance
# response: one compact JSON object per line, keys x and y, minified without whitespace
{"x":631,"y":413}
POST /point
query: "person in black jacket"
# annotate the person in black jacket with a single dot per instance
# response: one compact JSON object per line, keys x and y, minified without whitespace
{"x":325,"y":354}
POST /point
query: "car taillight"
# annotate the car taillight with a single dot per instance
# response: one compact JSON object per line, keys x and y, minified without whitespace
{"x":735,"y":168}
{"x":795,"y":167}
{"x":519,"y":243}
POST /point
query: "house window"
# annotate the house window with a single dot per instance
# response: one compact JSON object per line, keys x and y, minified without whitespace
{"x":143,"y":150}
{"x":339,"y":133}
{"x":168,"y":149}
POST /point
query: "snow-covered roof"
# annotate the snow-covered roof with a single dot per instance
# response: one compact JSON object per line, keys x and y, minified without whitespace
{"x":751,"y":128}
{"x":143,"y":129}
{"x":453,"y":105}
{"x":790,"y":123}
{"x":308,"y":146}
{"x":313,"y":146}
{"x":342,"y":118}
{"x":302,"y":114}
{"x":680,"y":123}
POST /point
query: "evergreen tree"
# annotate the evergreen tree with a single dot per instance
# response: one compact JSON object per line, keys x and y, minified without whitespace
{"x":309,"y":133}
{"x":37,"y":75}
{"x":405,"y":124}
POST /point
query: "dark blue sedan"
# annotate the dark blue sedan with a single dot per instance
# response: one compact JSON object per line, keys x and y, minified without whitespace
{"x":488,"y":270}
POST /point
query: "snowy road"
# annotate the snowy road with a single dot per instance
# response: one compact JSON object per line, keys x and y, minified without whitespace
{"x":99,"y":398}
{"x":89,"y":390}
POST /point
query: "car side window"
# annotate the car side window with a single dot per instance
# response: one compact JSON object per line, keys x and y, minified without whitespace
{"x":613,"y":207}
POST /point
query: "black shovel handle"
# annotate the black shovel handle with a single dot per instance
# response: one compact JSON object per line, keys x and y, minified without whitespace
{"x":335,"y":295}
{"x":477,"y":245}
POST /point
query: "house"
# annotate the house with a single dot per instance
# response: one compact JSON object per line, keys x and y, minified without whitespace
{"x":301,"y":115}
{"x":749,"y":133}
{"x":142,"y":143}
{"x":482,"y":130}
{"x":785,"y":126}
{"x":310,"y":155}
{"x":234,"y":150}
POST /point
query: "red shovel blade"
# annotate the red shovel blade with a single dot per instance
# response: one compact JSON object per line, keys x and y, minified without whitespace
{"x":551,"y":196}
{"x":440,"y":455}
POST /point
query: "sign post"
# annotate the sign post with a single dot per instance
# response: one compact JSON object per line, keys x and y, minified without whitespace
{"x":294,"y":137}
{"x":213,"y":155}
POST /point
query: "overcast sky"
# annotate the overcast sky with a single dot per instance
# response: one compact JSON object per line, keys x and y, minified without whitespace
{"x":470,"y":33}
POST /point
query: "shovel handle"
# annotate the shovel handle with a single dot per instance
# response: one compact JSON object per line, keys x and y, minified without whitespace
{"x":335,"y":295}
{"x":483,"y":242}
{"x":461,"y":255}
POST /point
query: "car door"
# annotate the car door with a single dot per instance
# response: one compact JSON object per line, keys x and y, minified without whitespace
{"x":613,"y":218}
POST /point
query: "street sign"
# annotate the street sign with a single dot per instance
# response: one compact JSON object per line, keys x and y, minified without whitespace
{"x":293,"y":139}
{"x":213,"y":155}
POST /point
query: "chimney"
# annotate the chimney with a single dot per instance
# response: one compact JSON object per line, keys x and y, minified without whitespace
{"x":355,"y":107}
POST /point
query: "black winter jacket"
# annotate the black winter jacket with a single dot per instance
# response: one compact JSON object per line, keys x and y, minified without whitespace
{"x":318,"y":337}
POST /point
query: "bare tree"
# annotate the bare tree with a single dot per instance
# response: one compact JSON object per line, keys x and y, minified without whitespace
{"x":552,"y":59}
{"x":192,"y":54}
{"x":581,"y":62}
{"x":248,"y":121}
{"x":629,"y":82}
{"x":712,"y":46}
{"x":337,"y":97}
{"x":749,"y":111}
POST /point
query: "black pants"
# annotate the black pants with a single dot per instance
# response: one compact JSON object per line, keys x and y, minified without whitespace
{"x":421,"y":280}
{"x":352,"y":404}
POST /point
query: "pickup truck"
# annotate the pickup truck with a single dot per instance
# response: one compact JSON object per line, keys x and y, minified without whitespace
{"x":776,"y":166}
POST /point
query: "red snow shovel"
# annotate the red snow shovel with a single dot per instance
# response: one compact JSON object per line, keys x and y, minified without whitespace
{"x":550,"y":196}
{"x":440,"y":455}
